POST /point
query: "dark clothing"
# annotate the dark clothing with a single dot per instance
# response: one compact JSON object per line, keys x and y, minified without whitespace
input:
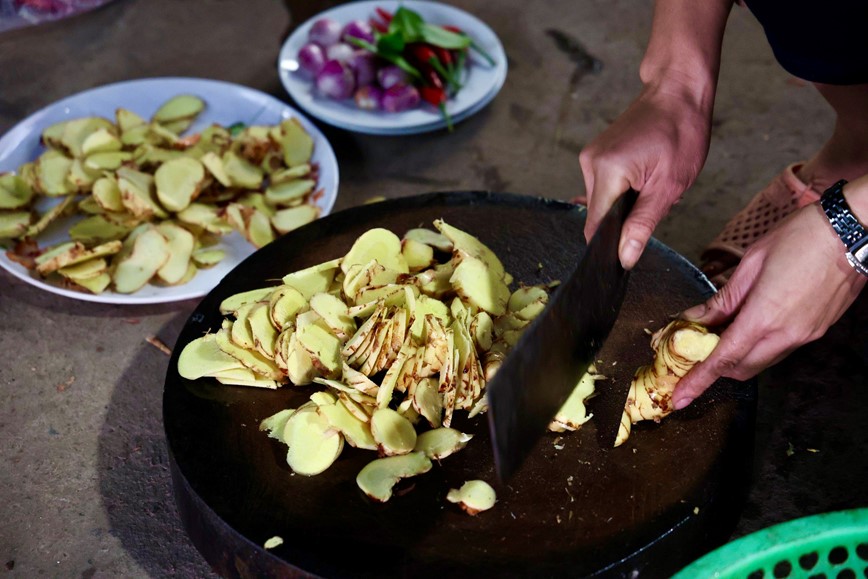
{"x":822,"y":41}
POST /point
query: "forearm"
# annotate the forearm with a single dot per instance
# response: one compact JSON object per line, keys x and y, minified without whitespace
{"x":659,"y":144}
{"x":683,"y":54}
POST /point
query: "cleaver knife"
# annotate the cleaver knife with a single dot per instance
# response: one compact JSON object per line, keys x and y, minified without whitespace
{"x":555,"y":351}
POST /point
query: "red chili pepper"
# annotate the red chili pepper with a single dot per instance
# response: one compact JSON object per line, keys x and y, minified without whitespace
{"x":384,"y":14}
{"x":429,"y":56}
{"x":423,"y":53}
{"x":443,"y":55}
{"x":442,"y":61}
{"x":432,"y":78}
{"x":436,"y":96}
{"x":432,"y":92}
{"x":433,"y":95}
{"x":379,"y":26}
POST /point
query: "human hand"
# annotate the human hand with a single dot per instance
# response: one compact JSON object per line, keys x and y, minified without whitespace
{"x":791,"y":285}
{"x":657,"y":147}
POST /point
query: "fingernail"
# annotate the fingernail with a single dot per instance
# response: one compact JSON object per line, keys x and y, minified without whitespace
{"x":682,"y":403}
{"x":696,"y":312}
{"x":631,"y":253}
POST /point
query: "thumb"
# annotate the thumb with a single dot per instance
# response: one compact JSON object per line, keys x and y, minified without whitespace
{"x":606,"y":187}
{"x":695,"y":382}
{"x":719,"y":309}
{"x":639,"y":227}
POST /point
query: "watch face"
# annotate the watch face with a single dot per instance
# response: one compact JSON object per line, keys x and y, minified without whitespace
{"x":857,"y":265}
{"x":858,"y":256}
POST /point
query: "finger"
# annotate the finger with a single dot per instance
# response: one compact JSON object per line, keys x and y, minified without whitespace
{"x":608,"y":185}
{"x":703,"y":375}
{"x":725,"y":356}
{"x":639,"y":226}
{"x":763,"y":355}
{"x":726,"y":303}
{"x":695,"y":383}
{"x":587,"y":165}
{"x":720,"y":308}
{"x":727,"y":359}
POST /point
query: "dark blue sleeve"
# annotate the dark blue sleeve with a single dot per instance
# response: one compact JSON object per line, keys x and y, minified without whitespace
{"x":822,"y":41}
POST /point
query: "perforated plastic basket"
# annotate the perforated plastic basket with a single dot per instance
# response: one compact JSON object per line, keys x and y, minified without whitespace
{"x":831,"y":545}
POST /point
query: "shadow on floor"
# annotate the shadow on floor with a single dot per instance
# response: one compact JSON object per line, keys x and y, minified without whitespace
{"x":135,"y":482}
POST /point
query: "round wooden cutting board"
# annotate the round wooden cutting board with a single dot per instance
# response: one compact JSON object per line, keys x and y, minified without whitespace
{"x":577,"y":507}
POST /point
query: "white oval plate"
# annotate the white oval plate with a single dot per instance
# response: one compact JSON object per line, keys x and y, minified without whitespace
{"x":483,"y":81}
{"x":226,"y":103}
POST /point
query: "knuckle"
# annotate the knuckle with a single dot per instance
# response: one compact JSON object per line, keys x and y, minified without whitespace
{"x":724,"y":300}
{"x":726,"y":364}
{"x":588,"y":157}
{"x":640,"y":226}
{"x":684,"y":179}
{"x":598,"y":157}
{"x":607,"y":158}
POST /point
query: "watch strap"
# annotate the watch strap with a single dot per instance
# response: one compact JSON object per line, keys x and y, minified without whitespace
{"x":851,"y":232}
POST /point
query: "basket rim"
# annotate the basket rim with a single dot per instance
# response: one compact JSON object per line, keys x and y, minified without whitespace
{"x":779,"y":541}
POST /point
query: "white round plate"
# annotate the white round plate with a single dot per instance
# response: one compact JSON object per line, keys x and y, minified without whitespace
{"x":225,"y":104}
{"x":483,"y":81}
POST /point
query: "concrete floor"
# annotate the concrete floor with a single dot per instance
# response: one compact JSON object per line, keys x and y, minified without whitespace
{"x":84,"y":477}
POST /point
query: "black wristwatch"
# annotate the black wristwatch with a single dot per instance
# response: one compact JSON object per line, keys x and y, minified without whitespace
{"x":852,"y":233}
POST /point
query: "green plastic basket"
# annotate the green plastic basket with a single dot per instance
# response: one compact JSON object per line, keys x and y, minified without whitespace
{"x":831,"y":545}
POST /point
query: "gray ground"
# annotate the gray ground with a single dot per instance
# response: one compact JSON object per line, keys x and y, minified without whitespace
{"x":84,"y":475}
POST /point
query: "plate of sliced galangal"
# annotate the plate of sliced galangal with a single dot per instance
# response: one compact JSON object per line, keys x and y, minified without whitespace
{"x":151,"y":190}
{"x":325,"y":405}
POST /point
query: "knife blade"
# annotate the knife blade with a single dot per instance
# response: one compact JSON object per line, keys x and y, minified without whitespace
{"x":558,"y":347}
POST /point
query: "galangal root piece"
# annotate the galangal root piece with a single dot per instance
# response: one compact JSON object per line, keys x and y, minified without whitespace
{"x":678,"y":347}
